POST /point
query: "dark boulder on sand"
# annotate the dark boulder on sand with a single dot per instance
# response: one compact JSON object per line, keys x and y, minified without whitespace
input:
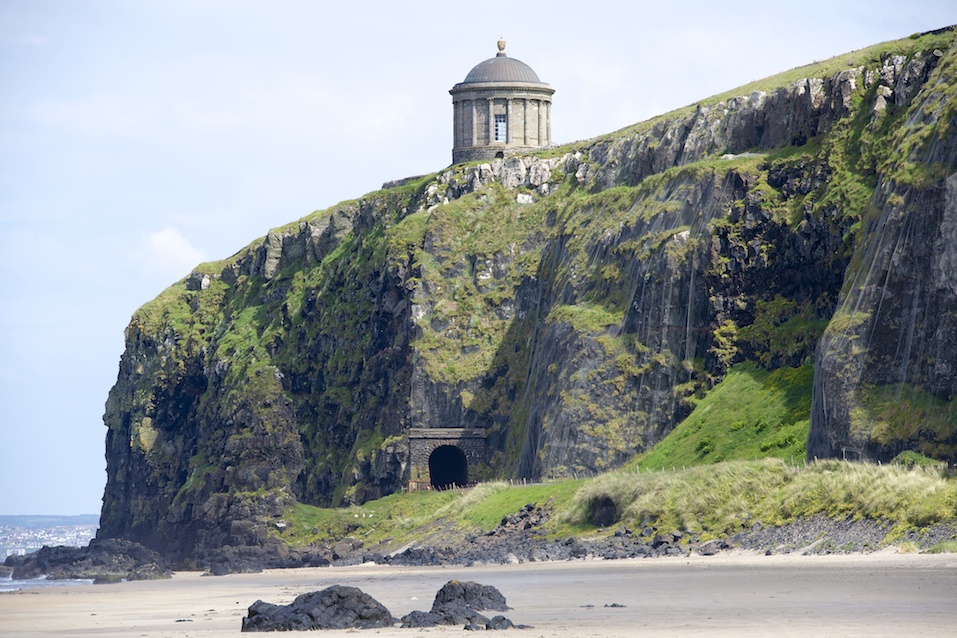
{"x":458,"y":603}
{"x":336,"y":607}
{"x":449,"y":614}
{"x":471,"y":594}
{"x":341,"y":607}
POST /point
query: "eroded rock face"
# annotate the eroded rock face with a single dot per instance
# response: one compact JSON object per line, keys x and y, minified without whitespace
{"x":885,"y":378}
{"x":573,"y":306}
{"x":894,"y":336}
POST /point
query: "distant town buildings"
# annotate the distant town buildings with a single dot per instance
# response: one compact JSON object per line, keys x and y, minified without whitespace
{"x":16,"y":540}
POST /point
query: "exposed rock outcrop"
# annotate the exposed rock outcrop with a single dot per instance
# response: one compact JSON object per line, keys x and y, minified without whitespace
{"x":103,"y":561}
{"x":886,"y":368}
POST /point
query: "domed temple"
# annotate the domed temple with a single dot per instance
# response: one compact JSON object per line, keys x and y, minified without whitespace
{"x":500,"y":109}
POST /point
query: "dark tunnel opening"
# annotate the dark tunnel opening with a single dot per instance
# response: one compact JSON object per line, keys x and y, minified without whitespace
{"x":448,"y":467}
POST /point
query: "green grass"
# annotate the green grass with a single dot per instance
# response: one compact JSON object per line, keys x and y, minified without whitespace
{"x":909,"y":458}
{"x":486,"y":510}
{"x":397,"y":514}
{"x":724,"y":498}
{"x":481,"y":249}
{"x":751,"y":414}
{"x":414,"y":517}
{"x":713,"y":501}
{"x":401,"y":518}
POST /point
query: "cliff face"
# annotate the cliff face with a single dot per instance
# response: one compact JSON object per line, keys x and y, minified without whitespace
{"x":886,"y":369}
{"x":574,"y":306}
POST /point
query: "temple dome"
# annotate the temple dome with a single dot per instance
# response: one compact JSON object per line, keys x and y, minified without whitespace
{"x":502,"y":68}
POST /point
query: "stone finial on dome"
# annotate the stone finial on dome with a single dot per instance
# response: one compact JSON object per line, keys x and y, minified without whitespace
{"x":501,"y":48}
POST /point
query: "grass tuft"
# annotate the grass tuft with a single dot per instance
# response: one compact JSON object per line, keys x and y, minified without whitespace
{"x":944,"y":547}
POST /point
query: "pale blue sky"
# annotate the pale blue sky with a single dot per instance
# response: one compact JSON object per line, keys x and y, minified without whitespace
{"x":140,"y":138}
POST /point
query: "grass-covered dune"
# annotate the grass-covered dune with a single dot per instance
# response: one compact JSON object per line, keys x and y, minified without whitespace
{"x":706,"y":501}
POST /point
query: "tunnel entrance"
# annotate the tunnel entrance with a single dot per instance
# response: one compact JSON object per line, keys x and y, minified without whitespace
{"x":448,"y":467}
{"x":441,"y":457}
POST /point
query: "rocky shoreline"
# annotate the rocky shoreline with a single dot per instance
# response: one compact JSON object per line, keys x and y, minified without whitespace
{"x":519,"y":538}
{"x":108,"y":560}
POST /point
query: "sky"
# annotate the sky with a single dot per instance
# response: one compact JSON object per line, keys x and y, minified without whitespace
{"x":138,"y":139}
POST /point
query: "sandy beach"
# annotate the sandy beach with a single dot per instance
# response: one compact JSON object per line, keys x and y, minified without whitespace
{"x":734,"y":594}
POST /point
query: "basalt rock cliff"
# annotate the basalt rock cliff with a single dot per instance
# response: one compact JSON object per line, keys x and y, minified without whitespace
{"x":574,"y":305}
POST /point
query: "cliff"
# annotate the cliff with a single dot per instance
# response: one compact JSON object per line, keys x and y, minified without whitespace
{"x":574,"y":305}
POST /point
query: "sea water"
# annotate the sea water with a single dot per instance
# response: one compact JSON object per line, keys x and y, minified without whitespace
{"x":9,"y":584}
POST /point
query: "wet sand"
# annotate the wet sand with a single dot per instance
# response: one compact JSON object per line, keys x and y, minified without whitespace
{"x":736,"y":594}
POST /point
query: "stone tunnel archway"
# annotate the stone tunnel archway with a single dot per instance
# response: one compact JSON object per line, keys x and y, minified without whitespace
{"x":448,"y":467}
{"x":441,"y":457}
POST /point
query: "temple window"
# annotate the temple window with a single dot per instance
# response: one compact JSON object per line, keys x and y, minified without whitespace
{"x":501,"y":129}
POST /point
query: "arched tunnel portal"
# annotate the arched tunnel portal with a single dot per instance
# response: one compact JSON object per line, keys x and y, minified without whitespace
{"x":448,"y":467}
{"x":443,"y":457}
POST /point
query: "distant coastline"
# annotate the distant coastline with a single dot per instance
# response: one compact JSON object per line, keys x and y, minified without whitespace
{"x":8,"y":584}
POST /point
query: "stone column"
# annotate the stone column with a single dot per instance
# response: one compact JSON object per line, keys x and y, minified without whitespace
{"x":508,"y":121}
{"x":474,"y":124}
{"x":456,"y":124}
{"x":541,"y":122}
{"x":548,"y":125}
{"x":491,"y":121}
{"x":525,"y":122}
